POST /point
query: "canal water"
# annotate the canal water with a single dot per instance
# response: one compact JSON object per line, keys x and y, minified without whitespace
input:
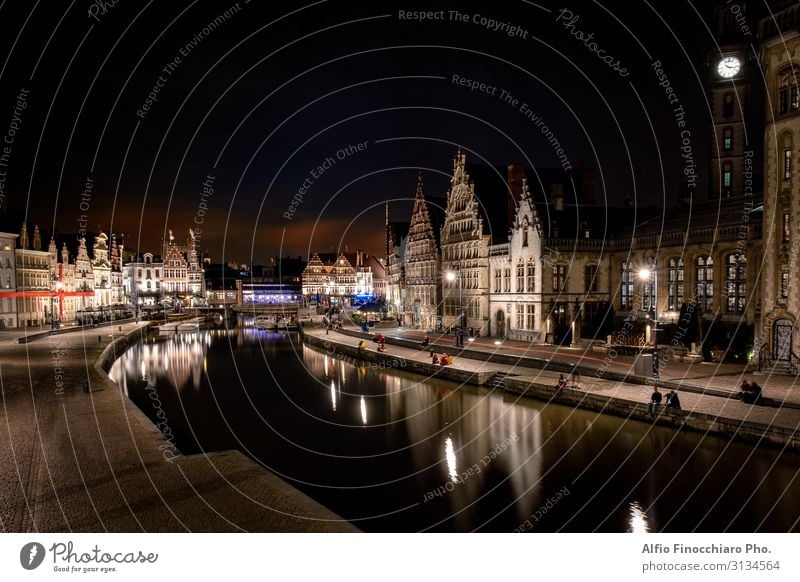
{"x":393,"y":451}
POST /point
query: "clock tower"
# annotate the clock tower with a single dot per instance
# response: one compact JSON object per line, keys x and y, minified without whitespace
{"x":734,"y":133}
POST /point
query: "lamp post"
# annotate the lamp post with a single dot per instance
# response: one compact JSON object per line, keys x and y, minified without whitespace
{"x":452,"y":276}
{"x":645,"y":275}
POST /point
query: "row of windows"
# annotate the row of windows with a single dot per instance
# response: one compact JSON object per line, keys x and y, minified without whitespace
{"x":526,"y":316}
{"x":471,"y":306}
{"x":735,"y":284}
{"x":526,"y":278}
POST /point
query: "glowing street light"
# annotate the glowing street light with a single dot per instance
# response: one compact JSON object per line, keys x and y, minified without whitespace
{"x":646,"y":274}
{"x":452,"y":276}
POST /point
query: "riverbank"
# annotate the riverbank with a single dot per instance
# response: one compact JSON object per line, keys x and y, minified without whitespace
{"x":707,"y":412}
{"x":92,"y":461}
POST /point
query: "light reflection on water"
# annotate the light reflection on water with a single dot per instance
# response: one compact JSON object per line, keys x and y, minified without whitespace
{"x":370,"y":442}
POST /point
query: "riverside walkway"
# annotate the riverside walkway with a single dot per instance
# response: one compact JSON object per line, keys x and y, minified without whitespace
{"x":92,"y":462}
{"x":708,"y":402}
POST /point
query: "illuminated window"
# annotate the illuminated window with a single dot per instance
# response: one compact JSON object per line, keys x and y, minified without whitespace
{"x":626,"y":286}
{"x":727,"y":177}
{"x":736,"y":283}
{"x":787,"y":228}
{"x":675,"y":279}
{"x":727,"y":139}
{"x":704,"y":267}
{"x":787,"y":163}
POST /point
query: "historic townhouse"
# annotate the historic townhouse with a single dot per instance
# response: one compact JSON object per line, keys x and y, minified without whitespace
{"x":465,"y":255}
{"x":776,"y":342}
{"x":101,"y":268}
{"x":515,"y":293}
{"x":142,"y":279}
{"x":8,"y":280}
{"x":396,"y":237}
{"x":34,"y":306}
{"x":332,"y":283}
{"x":422,"y":268}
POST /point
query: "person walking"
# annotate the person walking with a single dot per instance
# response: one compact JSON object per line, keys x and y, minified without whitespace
{"x":655,"y":401}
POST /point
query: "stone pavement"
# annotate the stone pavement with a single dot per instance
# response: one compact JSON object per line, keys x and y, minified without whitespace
{"x":695,"y":376}
{"x":710,"y":404}
{"x":76,"y":461}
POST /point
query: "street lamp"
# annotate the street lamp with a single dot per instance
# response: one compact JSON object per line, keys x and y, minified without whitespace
{"x":646,"y":274}
{"x":452,"y":276}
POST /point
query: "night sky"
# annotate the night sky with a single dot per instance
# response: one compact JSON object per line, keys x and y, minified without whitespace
{"x":258,"y":95}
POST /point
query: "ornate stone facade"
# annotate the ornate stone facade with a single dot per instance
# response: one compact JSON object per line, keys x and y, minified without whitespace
{"x":465,"y":254}
{"x":422,"y":268}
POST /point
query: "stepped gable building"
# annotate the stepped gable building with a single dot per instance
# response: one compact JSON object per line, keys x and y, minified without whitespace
{"x":396,"y":237}
{"x":329,"y":283}
{"x":465,"y":253}
{"x":422,"y":266}
{"x":777,"y":342}
{"x":182,"y":275}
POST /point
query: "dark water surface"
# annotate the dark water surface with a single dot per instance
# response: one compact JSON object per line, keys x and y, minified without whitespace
{"x":393,"y":451}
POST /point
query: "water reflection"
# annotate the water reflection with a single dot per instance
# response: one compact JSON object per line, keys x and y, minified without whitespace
{"x":373,"y":444}
{"x":179,"y":359}
{"x":637,"y":519}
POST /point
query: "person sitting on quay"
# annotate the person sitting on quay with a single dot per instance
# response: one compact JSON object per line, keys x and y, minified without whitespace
{"x":446,"y":360}
{"x":673,"y":401}
{"x":362,"y":347}
{"x":426,"y":342}
{"x":382,"y":347}
{"x":379,"y":338}
{"x":562,"y":383}
{"x":435,"y":359}
{"x":750,"y":392}
{"x":655,"y":401}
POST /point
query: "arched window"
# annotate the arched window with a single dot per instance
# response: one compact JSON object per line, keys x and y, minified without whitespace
{"x":727,"y":139}
{"x":531,"y":276}
{"x":626,"y":286}
{"x":525,"y":231}
{"x":704,"y":267}
{"x":736,"y":282}
{"x":783,"y":296}
{"x":788,"y":99}
{"x":675,"y":279}
{"x":727,"y":178}
{"x":727,"y":105}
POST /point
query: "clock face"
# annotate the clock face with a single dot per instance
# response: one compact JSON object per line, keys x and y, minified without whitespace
{"x":728,"y":67}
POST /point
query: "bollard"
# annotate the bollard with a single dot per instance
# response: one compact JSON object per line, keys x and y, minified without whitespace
{"x":99,"y":339}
